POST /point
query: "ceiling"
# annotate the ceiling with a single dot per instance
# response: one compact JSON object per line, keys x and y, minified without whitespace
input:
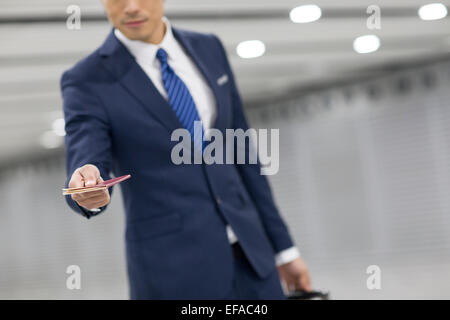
{"x":36,"y":47}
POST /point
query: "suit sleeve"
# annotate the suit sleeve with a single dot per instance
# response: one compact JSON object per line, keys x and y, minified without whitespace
{"x":255,"y":183}
{"x":87,"y":138}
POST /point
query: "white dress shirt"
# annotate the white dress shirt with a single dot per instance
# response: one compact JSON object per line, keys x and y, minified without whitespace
{"x":185,"y":68}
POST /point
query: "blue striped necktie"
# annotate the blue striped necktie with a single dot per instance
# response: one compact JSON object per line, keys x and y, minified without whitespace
{"x":180,"y":99}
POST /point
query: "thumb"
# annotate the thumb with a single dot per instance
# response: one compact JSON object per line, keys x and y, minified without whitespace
{"x":90,"y":175}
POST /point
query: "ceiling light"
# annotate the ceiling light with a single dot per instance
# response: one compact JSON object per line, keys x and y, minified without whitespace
{"x":306,"y":13}
{"x":58,"y":127}
{"x":250,"y":49}
{"x":366,"y":44}
{"x":432,"y":11}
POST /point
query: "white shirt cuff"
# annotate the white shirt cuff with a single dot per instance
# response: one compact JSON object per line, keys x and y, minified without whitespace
{"x":231,"y":235}
{"x":93,"y":209}
{"x":286,"y":256}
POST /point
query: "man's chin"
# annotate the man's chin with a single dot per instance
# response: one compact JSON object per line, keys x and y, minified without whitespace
{"x":135,"y":34}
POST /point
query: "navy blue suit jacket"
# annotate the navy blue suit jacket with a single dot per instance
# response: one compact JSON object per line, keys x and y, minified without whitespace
{"x":176,"y":243}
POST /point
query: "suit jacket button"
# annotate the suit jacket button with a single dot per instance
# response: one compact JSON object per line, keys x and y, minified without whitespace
{"x":218,"y":200}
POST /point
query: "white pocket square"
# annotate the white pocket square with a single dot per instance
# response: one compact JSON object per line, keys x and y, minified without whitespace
{"x":222,"y":79}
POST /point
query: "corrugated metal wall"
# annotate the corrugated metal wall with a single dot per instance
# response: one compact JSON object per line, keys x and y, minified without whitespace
{"x":365,"y":179}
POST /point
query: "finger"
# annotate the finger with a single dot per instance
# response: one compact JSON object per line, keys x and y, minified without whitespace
{"x":282,"y":281}
{"x":289,"y":281}
{"x":97,"y":198}
{"x":284,"y":287}
{"x":91,"y":194}
{"x":90,"y":175}
{"x":307,"y":284}
{"x":292,"y":286}
{"x":86,"y":195}
{"x":98,"y":204}
{"x":102,"y":198}
{"x":303,"y":283}
{"x":76,"y":181}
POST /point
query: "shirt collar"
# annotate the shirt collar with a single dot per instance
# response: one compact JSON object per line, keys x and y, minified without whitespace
{"x":146,"y":52}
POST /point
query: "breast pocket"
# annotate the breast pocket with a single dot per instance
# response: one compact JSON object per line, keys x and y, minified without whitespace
{"x":154,"y":227}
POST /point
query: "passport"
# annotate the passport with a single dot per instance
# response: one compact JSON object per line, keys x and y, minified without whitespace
{"x":100,"y":186}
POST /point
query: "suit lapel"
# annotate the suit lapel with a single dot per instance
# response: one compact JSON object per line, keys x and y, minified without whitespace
{"x":195,"y":52}
{"x":118,"y":60}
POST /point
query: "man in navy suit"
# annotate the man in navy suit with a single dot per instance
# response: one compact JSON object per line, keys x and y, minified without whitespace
{"x":193,"y":231}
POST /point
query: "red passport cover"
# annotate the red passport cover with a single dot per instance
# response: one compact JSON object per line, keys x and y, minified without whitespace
{"x":103,"y":185}
{"x":111,"y":182}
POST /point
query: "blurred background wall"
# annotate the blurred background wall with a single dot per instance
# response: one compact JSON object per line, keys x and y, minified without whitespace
{"x":364,"y":173}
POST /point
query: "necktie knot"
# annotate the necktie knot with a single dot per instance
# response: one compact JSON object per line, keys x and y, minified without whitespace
{"x":161,"y":54}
